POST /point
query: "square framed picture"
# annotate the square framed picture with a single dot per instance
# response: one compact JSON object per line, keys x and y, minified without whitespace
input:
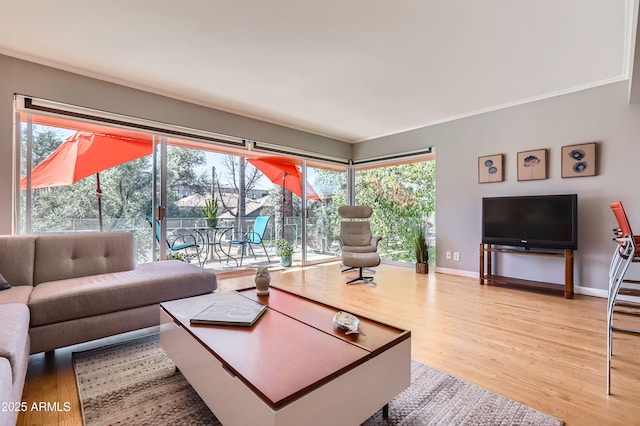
{"x":579,"y":160}
{"x":532,"y":165}
{"x":490,"y":168}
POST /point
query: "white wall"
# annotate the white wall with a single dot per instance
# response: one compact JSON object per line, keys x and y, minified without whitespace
{"x":601,"y":114}
{"x":26,"y":78}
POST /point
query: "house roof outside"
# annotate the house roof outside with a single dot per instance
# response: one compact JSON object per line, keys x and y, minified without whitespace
{"x":254,"y":206}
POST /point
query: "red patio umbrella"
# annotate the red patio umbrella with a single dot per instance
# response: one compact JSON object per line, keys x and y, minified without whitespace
{"x":285,"y":174}
{"x":84,"y":154}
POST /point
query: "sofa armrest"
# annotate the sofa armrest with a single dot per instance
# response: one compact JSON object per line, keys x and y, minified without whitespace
{"x":14,"y":334}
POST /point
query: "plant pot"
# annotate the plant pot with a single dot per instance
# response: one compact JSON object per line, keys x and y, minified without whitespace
{"x":285,"y":261}
{"x":212,"y":223}
{"x":422,"y":268}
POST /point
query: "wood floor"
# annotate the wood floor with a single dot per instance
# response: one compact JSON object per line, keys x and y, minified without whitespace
{"x":542,"y":350}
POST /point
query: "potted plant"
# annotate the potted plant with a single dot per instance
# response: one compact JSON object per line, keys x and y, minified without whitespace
{"x":210,"y":211}
{"x":285,"y":251}
{"x":422,"y":251}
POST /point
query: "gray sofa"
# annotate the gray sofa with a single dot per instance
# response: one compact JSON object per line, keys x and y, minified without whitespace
{"x":72,"y":288}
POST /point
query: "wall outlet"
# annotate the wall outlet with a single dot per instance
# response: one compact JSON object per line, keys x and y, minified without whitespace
{"x":448,"y":255}
{"x":456,"y":255}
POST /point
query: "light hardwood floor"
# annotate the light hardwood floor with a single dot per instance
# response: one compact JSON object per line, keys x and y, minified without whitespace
{"x":542,"y":350}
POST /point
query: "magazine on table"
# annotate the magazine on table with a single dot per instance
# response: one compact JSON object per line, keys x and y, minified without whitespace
{"x":230,"y":308}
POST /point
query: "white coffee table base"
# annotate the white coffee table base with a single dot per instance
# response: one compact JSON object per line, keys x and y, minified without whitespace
{"x":351,"y":398}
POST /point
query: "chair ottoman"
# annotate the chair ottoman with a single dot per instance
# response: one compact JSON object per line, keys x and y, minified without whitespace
{"x":360,"y":261}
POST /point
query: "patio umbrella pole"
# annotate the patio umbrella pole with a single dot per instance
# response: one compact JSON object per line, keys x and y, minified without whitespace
{"x":284,"y":199}
{"x":99,"y":195}
{"x":287,"y":175}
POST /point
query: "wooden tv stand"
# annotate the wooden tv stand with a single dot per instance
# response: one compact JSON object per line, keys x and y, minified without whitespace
{"x":486,"y":274}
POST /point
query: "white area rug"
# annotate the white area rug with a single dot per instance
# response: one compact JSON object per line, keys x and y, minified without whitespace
{"x":135,"y":383}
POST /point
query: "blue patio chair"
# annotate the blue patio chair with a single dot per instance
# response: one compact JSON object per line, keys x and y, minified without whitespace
{"x":179,"y":240}
{"x":255,"y":236}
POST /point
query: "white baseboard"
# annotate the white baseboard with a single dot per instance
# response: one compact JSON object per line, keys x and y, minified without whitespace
{"x":587,"y":291}
{"x":459,"y":272}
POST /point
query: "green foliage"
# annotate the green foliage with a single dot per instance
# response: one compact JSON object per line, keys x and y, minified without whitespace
{"x":211,"y":208}
{"x":402,"y":197}
{"x":323,"y":217}
{"x":421,"y":246}
{"x":283,"y":248}
{"x":126,"y":189}
{"x":178,"y":256}
{"x":183,"y":176}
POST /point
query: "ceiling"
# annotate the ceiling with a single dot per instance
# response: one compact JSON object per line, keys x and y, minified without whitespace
{"x":352,"y":70}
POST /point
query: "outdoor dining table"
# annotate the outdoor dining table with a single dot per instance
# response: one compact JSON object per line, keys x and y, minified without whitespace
{"x":212,"y":241}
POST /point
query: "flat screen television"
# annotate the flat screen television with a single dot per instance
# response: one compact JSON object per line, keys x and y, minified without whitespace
{"x":535,"y":221}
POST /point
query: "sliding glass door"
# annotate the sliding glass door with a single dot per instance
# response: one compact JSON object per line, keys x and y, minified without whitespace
{"x":326,"y":191}
{"x":158,"y":186}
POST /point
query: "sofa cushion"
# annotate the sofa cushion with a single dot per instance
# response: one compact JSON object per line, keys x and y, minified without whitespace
{"x":64,"y":256}
{"x":356,"y":233}
{"x":359,"y":249}
{"x":17,"y":253}
{"x":149,"y":283}
{"x":4,"y":284}
{"x":13,"y":339}
{"x":17,"y":294}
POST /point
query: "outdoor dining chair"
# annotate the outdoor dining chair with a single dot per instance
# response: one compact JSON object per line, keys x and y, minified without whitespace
{"x":180,"y":240}
{"x":253,"y":237}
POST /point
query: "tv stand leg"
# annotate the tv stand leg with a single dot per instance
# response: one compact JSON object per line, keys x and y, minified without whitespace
{"x":482,"y":264}
{"x":568,"y":274}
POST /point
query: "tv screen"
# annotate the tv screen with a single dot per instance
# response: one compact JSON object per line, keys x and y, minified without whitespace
{"x":536,"y":221}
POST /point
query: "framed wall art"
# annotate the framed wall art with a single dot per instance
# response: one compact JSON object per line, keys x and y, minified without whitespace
{"x":532,"y":165}
{"x":579,"y":160}
{"x":490,"y":168}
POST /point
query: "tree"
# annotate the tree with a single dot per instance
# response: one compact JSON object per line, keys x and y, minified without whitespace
{"x":183,"y":176}
{"x":402,"y":197}
{"x":240,"y":178}
{"x":126,"y":189}
{"x":324,"y":219}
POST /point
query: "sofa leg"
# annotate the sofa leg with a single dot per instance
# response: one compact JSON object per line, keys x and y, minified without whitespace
{"x":50,"y":359}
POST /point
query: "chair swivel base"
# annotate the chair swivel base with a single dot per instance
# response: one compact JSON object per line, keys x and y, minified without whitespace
{"x":360,"y":277}
{"x":351,"y":268}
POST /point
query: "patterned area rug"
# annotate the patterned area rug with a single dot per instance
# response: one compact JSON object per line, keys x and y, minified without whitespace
{"x":135,"y":383}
